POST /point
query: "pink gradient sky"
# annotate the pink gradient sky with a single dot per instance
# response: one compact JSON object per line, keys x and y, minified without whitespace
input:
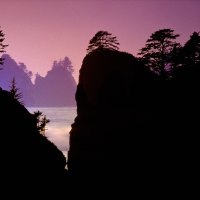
{"x":41,"y":31}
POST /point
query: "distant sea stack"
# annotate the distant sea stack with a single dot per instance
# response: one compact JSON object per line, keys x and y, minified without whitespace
{"x":56,"y":89}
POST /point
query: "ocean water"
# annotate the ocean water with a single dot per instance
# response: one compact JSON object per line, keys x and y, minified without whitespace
{"x":59,"y":126}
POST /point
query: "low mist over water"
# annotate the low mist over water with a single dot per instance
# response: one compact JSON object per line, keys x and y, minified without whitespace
{"x":59,"y":126}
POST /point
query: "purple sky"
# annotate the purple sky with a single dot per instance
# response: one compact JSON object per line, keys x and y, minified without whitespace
{"x":41,"y":31}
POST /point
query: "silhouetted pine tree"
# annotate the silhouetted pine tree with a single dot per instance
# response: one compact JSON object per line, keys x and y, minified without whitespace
{"x":191,"y":50}
{"x":15,"y":92}
{"x":2,"y":46}
{"x":41,"y":121}
{"x":189,"y":59}
{"x":158,"y":53}
{"x":103,"y":39}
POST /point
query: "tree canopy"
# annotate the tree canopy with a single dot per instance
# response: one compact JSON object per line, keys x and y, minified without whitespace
{"x":41,"y":121}
{"x":191,"y":50}
{"x":65,"y":63}
{"x":189,"y":59}
{"x":15,"y":92}
{"x":103,"y":40}
{"x":159,"y":51}
{"x":2,"y":46}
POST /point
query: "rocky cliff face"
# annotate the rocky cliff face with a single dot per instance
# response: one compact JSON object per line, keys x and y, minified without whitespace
{"x":27,"y":157}
{"x":117,"y":110}
{"x":132,"y":127}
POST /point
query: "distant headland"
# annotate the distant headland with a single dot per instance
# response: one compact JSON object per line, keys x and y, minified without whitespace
{"x":56,"y":89}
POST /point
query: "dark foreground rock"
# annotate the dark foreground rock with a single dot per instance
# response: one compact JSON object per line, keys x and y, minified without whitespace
{"x":28,"y":159}
{"x":132,"y":127}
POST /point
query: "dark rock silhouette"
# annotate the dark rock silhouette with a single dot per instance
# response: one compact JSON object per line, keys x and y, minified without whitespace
{"x":132,"y":126}
{"x":27,"y":157}
{"x":112,"y":103}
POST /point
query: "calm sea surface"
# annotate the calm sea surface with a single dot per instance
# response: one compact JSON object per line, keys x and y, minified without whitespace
{"x":59,"y":126}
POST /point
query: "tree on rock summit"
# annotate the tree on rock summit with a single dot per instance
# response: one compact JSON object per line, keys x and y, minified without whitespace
{"x":103,"y":40}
